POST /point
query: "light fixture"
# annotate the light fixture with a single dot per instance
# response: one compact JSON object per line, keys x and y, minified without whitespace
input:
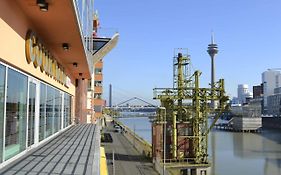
{"x":75,"y":64}
{"x":44,"y":8}
{"x":80,"y":74}
{"x":65,"y":46}
{"x":41,"y":3}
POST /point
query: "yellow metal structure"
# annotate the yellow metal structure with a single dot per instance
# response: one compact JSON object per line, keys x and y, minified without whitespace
{"x":188,"y":104}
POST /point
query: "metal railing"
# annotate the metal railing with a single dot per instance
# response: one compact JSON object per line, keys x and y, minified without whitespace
{"x":183,"y":160}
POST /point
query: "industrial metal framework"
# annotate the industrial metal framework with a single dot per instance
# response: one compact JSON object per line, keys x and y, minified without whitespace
{"x":184,"y":110}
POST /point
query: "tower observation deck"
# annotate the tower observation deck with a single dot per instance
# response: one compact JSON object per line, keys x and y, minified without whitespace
{"x":213,"y":51}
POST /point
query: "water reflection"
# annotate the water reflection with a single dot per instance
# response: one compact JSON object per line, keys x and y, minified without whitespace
{"x":233,"y":153}
{"x":246,"y":153}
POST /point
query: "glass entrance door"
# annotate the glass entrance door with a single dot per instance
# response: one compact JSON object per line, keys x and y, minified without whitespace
{"x":33,"y":113}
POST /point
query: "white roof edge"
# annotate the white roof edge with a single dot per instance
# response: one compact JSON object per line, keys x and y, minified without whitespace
{"x":106,"y":48}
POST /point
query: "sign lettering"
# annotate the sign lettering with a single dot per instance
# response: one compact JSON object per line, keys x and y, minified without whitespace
{"x":37,"y":53}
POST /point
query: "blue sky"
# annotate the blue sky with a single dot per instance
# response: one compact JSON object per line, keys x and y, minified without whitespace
{"x":248,"y":34}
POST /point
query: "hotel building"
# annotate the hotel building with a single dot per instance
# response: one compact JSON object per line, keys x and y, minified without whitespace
{"x":47,"y":57}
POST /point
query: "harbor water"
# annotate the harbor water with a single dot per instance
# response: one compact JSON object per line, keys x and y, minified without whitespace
{"x":232,"y":153}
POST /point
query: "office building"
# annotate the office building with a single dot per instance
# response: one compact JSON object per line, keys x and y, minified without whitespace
{"x":47,"y":57}
{"x":258,"y":91}
{"x":243,"y":93}
{"x":271,"y":79}
{"x":274,"y":103}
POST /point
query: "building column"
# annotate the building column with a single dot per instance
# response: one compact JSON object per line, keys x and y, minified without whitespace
{"x":81,"y":101}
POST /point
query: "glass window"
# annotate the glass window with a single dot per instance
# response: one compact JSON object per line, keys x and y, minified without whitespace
{"x":50,"y":110}
{"x":98,"y":108}
{"x":98,"y":71}
{"x":67,"y":110}
{"x":42,"y":127}
{"x":65,"y":117}
{"x":16,"y":114}
{"x":57,"y":124}
{"x":97,"y":96}
{"x":31,"y":113}
{"x":98,"y":83}
{"x":89,"y":84}
{"x":2,"y":97}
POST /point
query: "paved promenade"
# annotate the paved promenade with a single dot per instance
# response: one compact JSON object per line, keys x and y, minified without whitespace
{"x":128,"y":161}
{"x":71,"y":152}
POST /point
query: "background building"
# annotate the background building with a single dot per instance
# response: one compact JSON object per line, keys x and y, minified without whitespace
{"x":271,"y":79}
{"x":258,"y":91}
{"x":274,"y":103}
{"x":243,"y":93}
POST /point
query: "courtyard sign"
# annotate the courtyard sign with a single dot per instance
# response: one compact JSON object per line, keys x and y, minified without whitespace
{"x":37,"y":53}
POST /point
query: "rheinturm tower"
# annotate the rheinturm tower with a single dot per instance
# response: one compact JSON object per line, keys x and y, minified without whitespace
{"x":212,"y":51}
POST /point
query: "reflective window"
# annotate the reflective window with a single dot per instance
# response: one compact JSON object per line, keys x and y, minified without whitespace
{"x":16,"y":112}
{"x":98,"y":71}
{"x":86,"y":11}
{"x":42,"y":125}
{"x":2,"y":97}
{"x":50,"y":110}
{"x":20,"y":112}
{"x":89,"y":84}
{"x":58,"y":101}
{"x":67,"y":109}
{"x":31,"y":113}
{"x":98,"y":108}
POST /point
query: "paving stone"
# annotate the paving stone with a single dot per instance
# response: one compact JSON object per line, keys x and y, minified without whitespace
{"x":79,"y":169}
{"x":11,"y":172}
{"x":40,"y":166}
{"x":82,"y":160}
{"x":49,"y":167}
{"x":68,"y":169}
{"x":59,"y":168}
{"x":66,"y":154}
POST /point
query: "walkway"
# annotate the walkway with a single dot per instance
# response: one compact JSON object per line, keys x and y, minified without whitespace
{"x":71,"y":152}
{"x":128,"y":161}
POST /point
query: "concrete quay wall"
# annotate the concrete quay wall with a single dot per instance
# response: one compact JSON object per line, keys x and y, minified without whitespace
{"x":139,"y":143}
{"x":271,"y":122}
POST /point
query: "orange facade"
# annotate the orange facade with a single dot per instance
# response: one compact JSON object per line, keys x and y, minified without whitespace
{"x":98,"y":101}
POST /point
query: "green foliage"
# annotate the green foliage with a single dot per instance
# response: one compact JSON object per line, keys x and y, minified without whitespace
{"x":110,"y":112}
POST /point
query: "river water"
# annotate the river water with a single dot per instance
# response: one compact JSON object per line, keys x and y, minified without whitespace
{"x":232,"y":153}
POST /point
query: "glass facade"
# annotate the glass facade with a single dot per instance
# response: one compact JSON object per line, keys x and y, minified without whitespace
{"x":67,"y":110}
{"x":2,"y":104}
{"x":42,"y":114}
{"x":31,"y":113}
{"x":57,"y":119}
{"x":18,"y":116}
{"x":86,"y":11}
{"x":50,"y":111}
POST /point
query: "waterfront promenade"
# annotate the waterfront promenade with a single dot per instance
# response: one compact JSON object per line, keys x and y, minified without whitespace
{"x":127,"y":160}
{"x":74,"y":151}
